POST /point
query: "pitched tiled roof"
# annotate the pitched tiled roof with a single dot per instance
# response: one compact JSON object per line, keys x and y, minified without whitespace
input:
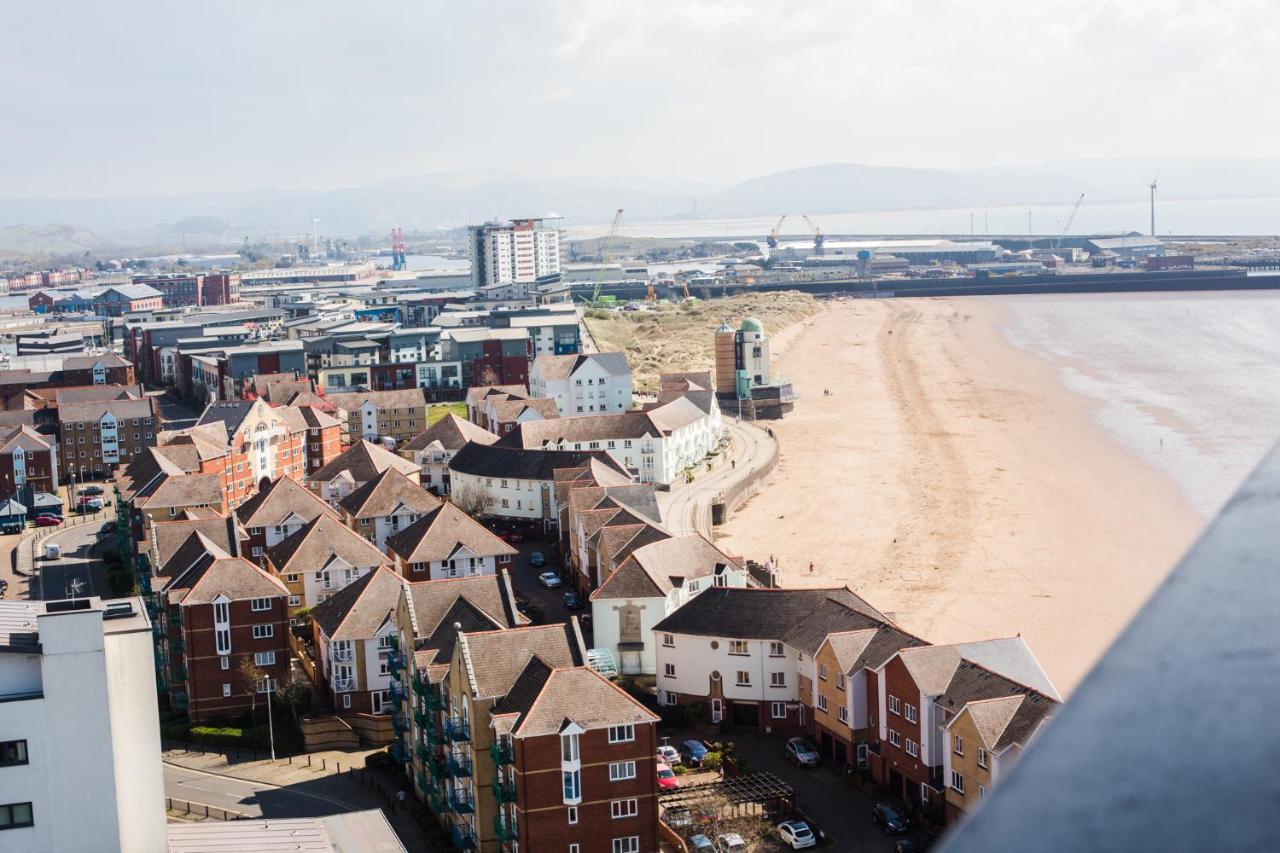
{"x":229,"y":413}
{"x":440,"y":532}
{"x":477,"y":603}
{"x":168,"y":536}
{"x":495,"y":659}
{"x":971,"y":684}
{"x":828,"y":616}
{"x":72,"y":413}
{"x":564,"y":366}
{"x":933,"y":667}
{"x":322,"y":538}
{"x":281,"y":498}
{"x":358,"y":610}
{"x":580,"y":695}
{"x":507,"y":411}
{"x":384,"y":493}
{"x":517,"y":464}
{"x":409,"y":398}
{"x":763,"y":614}
{"x":23,"y":437}
{"x":234,"y":577}
{"x":659,"y":567}
{"x":364,"y":461}
{"x":478,"y":393}
{"x":181,"y":491}
{"x":89,"y":393}
{"x":452,"y":432}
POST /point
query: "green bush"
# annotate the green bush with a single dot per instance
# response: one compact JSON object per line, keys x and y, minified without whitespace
{"x":712,"y":761}
{"x":218,"y":736}
{"x":680,"y":770}
{"x":176,"y":730}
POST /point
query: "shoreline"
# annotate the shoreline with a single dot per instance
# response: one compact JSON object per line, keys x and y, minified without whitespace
{"x":965,"y":488}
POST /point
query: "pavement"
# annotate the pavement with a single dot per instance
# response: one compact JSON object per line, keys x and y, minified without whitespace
{"x":687,"y":507}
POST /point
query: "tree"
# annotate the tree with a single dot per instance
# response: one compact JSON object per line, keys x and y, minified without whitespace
{"x":250,"y":677}
{"x":470,"y":498}
{"x":295,"y":694}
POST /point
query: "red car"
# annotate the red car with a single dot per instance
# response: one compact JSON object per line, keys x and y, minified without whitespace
{"x":667,"y":777}
{"x":47,"y":521}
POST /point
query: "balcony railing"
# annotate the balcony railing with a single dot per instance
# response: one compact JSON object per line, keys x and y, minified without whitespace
{"x":457,"y":729}
{"x":342,"y":654}
{"x":399,"y":723}
{"x":423,"y":719}
{"x":504,"y":791}
{"x":396,"y":692}
{"x":395,"y":661}
{"x":458,"y":765}
{"x":399,"y":753}
{"x":461,"y":802}
{"x":436,"y":801}
{"x":463,"y":836}
{"x":179,"y":672}
{"x":502,"y":753}
{"x":505,"y":827}
{"x":180,"y":700}
{"x":343,"y":685}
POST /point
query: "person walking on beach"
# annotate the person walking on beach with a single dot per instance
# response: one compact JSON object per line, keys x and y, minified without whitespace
{"x":811,"y":567}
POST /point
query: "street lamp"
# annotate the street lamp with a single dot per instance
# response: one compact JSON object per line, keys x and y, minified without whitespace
{"x":271,"y":728}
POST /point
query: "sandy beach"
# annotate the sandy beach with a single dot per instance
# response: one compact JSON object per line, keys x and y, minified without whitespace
{"x":951,"y":479}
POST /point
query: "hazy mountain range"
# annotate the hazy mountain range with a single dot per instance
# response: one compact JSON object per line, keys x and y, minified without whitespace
{"x":428,"y":202}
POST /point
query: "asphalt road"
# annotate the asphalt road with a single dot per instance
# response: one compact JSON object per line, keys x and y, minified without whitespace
{"x":77,"y":572}
{"x":173,"y":413}
{"x":256,"y":799}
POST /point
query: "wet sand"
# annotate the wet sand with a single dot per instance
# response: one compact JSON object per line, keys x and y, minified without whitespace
{"x":952,"y":480}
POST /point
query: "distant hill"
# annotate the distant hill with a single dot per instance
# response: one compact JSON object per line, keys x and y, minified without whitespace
{"x":35,"y":240}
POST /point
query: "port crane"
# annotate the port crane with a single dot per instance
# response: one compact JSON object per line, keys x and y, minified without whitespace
{"x":818,"y":238}
{"x":604,"y":258}
{"x":1070,"y":219}
{"x":772,"y":239}
{"x":397,"y":249}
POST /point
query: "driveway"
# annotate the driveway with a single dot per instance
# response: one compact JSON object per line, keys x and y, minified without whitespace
{"x":524,"y":577}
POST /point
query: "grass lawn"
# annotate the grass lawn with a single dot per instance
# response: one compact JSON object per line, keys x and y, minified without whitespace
{"x":439,"y":410}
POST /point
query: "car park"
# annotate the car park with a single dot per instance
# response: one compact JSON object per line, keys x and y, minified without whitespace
{"x":692,"y":752}
{"x":797,"y":834}
{"x":550,"y":580}
{"x":919,"y":844}
{"x":47,"y":520}
{"x":91,"y":490}
{"x":537,"y":560}
{"x":667,"y":777}
{"x":668,"y":755}
{"x":802,"y":753}
{"x":730,"y":842}
{"x":572,"y":601}
{"x":889,"y":817}
{"x":701,"y":844}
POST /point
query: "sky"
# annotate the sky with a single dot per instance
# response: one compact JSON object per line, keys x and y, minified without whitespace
{"x":144,"y":98}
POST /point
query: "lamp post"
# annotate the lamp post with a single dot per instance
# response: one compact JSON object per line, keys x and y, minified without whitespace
{"x":271,"y":728}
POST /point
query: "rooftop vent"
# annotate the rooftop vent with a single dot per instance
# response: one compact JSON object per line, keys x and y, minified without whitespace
{"x":118,"y":610}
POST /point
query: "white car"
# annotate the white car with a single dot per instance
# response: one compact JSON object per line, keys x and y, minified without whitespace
{"x":549,"y":579}
{"x":730,"y":842}
{"x":668,"y":755}
{"x":797,"y":834}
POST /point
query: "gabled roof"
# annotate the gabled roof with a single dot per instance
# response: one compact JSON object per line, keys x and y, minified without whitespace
{"x":495,"y":659}
{"x":761,"y":614}
{"x":409,"y":398}
{"x":933,"y":667}
{"x":23,"y":438}
{"x":359,"y":610}
{"x":363,"y":461}
{"x":547,"y":699}
{"x":515,"y":463}
{"x":972,"y":685}
{"x":322,"y":538}
{"x":71,"y":413}
{"x":655,"y":569}
{"x":452,"y":432}
{"x":564,"y":366}
{"x":477,"y":603}
{"x":181,"y":491}
{"x":509,"y":411}
{"x":282,"y":498}
{"x":167,"y":537}
{"x":478,"y":393}
{"x":381,"y":496}
{"x":438,"y":534}
{"x":229,"y":413}
{"x":234,"y":577}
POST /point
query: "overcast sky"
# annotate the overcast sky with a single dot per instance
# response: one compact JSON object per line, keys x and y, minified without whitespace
{"x":139,"y":98}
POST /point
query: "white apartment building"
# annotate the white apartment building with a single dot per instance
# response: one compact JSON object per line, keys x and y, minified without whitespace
{"x":79,"y":728}
{"x":586,"y":384}
{"x":518,"y":252}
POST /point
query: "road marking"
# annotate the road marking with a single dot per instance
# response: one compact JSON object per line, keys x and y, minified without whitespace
{"x":251,"y":782}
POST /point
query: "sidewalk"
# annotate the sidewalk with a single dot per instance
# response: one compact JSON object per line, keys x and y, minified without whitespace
{"x":339,"y":775}
{"x":687,"y":507}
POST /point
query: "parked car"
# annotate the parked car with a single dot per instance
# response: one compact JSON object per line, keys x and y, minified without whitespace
{"x":797,"y":834}
{"x":890,"y":818}
{"x":91,"y":490}
{"x":693,"y":751}
{"x":700,"y":844}
{"x":730,"y":842}
{"x":572,"y":602}
{"x":550,"y":580}
{"x":802,"y":753}
{"x":677,"y":817}
{"x":48,"y":520}
{"x":667,"y":777}
{"x":919,"y":844}
{"x":537,"y":560}
{"x":668,"y":755}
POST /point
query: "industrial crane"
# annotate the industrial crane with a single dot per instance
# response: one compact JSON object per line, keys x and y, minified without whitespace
{"x":397,"y":249}
{"x":772,"y":239}
{"x":604,"y":257}
{"x":1067,"y":227}
{"x":818,"y":238}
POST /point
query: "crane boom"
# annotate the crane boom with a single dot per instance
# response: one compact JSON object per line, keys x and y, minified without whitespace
{"x":1070,"y":219}
{"x":818,"y":238}
{"x":773,"y":235}
{"x":604,"y":256}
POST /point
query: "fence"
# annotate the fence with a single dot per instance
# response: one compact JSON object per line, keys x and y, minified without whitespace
{"x":202,"y":810}
{"x":735,"y":495}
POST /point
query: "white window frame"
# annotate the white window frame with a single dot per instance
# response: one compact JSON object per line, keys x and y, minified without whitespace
{"x":775,"y":708}
{"x":739,"y":648}
{"x":912,"y":748}
{"x":668,"y":670}
{"x":895,"y":739}
{"x":621,"y":771}
{"x":742,"y":678}
{"x":909,"y":712}
{"x":264,"y":632}
{"x":957,"y":782}
{"x":620,"y":809}
{"x":622,"y":734}
{"x":258,"y":605}
{"x":895,"y":705}
{"x":957,"y":744}
{"x":822,"y":702}
{"x":777,"y":679}
{"x":264,"y":659}
{"x":669,"y":641}
{"x":628,"y":844}
{"x":573,"y":817}
{"x":776,"y":650}
{"x":982,"y":757}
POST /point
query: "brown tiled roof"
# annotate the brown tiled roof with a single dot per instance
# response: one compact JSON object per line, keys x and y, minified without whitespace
{"x":933,"y":667}
{"x":364,"y":461}
{"x":322,"y":538}
{"x":659,"y":567}
{"x":972,"y":683}
{"x":409,"y":398}
{"x":382,"y":495}
{"x":478,"y":393}
{"x":827,"y":617}
{"x":168,"y":536}
{"x":90,"y":393}
{"x":316,"y":418}
{"x":495,"y":659}
{"x":440,"y":532}
{"x":430,"y":600}
{"x":182,"y":491}
{"x":848,"y":645}
{"x":990,"y":716}
{"x":507,"y":411}
{"x":71,"y":413}
{"x":580,"y":695}
{"x":23,"y":437}
{"x":283,"y":497}
{"x":563,"y":366}
{"x":234,"y":577}
{"x":359,"y":610}
{"x":452,"y":432}
{"x":280,"y":387}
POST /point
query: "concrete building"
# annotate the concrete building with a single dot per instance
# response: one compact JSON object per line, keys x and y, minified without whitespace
{"x":597,"y":383}
{"x":79,"y":731}
{"x":489,"y":356}
{"x":744,"y":378}
{"x":521,"y":252}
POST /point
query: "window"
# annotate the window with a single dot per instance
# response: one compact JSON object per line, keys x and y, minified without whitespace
{"x":258,"y":605}
{"x":822,"y":671}
{"x":574,"y":848}
{"x":620,"y":770}
{"x":226,"y":690}
{"x":957,"y":781}
{"x":17,"y":815}
{"x":924,"y":793}
{"x":222,"y":640}
{"x":572,"y":785}
{"x":295,"y":600}
{"x":982,"y":793}
{"x":262,"y":632}
{"x":224,"y":662}
{"x":13,"y":752}
{"x":895,"y":705}
{"x":622,"y":734}
{"x":264,"y":659}
{"x":573,"y":817}
{"x":822,"y":702}
{"x":738,"y":647}
{"x":913,"y":748}
{"x":982,"y":757}
{"x":840,"y":682}
{"x":957,"y":745}
{"x":630,"y":844}
{"x":257,"y":550}
{"x":777,"y":679}
{"x":910,"y":713}
{"x":669,"y":641}
{"x":669,"y":670}
{"x":744,"y":678}
{"x":569,"y":747}
{"x":842,"y":714}
{"x":775,"y":649}
{"x":778,"y":710}
{"x":895,"y":738}
{"x":624,"y":808}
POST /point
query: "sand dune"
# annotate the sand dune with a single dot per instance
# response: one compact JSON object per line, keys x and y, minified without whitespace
{"x":952,"y":480}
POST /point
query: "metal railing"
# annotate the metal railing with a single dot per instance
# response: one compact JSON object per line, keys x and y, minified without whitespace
{"x":342,"y":654}
{"x":187,"y":807}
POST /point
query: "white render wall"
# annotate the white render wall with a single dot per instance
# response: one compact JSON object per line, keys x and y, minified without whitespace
{"x":524,"y":497}
{"x":590,"y":390}
{"x":695,"y":660}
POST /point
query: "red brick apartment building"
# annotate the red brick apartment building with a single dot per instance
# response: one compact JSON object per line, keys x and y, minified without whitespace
{"x":97,"y":436}
{"x":26,"y":458}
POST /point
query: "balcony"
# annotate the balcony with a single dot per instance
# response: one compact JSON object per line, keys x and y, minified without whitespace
{"x":399,"y":723}
{"x":395,"y":661}
{"x":176,"y":644}
{"x":458,"y":765}
{"x":457,"y":729}
{"x":424,"y":754}
{"x":504,"y":791}
{"x":399,"y":753}
{"x":343,"y":685}
{"x":505,"y":827}
{"x":422,"y":719}
{"x":436,"y":801}
{"x":342,"y":654}
{"x":180,"y":701}
{"x":502,"y":753}
{"x":179,"y":672}
{"x":463,"y":836}
{"x":396,"y":692}
{"x":461,"y":802}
